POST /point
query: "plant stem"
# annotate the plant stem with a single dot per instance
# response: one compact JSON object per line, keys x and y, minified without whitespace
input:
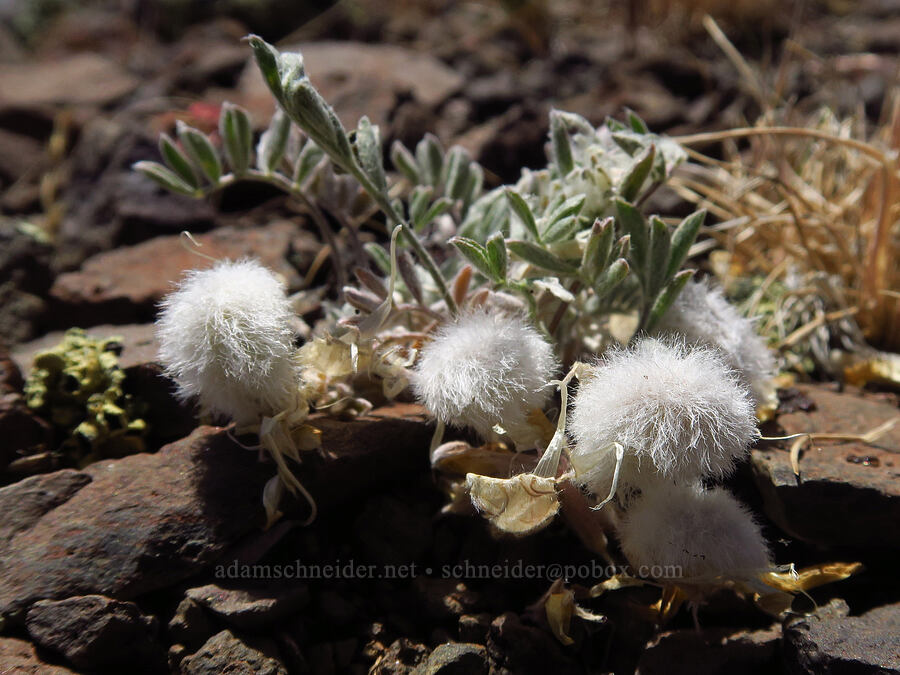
{"x":423,"y":255}
{"x":714,"y":136}
{"x":279,"y":181}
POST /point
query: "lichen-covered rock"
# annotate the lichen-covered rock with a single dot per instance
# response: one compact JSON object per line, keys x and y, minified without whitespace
{"x":226,"y":653}
{"x":455,"y":658}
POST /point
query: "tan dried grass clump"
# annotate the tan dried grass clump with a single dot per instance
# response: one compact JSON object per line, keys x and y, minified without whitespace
{"x":820,"y":202}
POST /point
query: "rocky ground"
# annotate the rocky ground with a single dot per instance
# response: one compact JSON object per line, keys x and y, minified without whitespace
{"x":158,"y":562}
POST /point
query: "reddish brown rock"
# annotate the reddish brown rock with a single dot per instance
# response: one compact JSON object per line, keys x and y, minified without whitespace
{"x":19,"y":657}
{"x":23,"y":434}
{"x":191,"y":625}
{"x":125,"y":527}
{"x":11,"y":380}
{"x":388,"y":444}
{"x":359,"y":79}
{"x":142,"y":522}
{"x":712,"y":651}
{"x":77,"y":79}
{"x":254,"y":607}
{"x":29,"y":500}
{"x":515,"y":647}
{"x":94,"y":631}
{"x":848,"y":493}
{"x":830,"y":641}
{"x":124,"y":285}
{"x":18,"y":155}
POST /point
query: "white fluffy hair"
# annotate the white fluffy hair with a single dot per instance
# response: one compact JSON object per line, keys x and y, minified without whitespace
{"x":225,"y":337}
{"x":680,"y":412}
{"x":707,"y":533}
{"x":702,"y":314}
{"x":485,"y":369}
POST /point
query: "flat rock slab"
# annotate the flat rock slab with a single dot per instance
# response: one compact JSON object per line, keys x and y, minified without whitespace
{"x":848,"y":493}
{"x":93,"y":631}
{"x":251,"y":608}
{"x":829,"y":641}
{"x":124,"y":285}
{"x":135,"y":525}
{"x":359,"y":79}
{"x":77,"y":79}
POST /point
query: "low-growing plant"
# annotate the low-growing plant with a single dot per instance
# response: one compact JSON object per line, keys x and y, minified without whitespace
{"x":486,"y":296}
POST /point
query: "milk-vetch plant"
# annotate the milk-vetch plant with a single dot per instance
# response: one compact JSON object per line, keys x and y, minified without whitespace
{"x":226,"y":339}
{"x":487,"y":294}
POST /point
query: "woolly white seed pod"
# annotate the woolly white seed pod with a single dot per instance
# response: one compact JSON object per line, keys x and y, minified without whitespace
{"x":705,"y":533}
{"x":679,"y":411}
{"x":225,"y":337}
{"x":483,"y":370}
{"x":702,"y":314}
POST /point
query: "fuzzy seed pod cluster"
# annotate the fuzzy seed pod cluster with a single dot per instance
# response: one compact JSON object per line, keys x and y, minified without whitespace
{"x":684,"y":417}
{"x":702,"y":315}
{"x":226,"y":339}
{"x":485,"y":370}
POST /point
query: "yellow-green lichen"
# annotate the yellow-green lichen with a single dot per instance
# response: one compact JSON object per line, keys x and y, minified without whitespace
{"x":78,"y":387}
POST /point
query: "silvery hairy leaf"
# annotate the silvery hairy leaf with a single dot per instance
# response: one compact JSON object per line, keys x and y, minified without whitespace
{"x":660,"y":245}
{"x":634,"y":224}
{"x":634,"y":181}
{"x":200,"y":150}
{"x":597,"y":249}
{"x":273,"y":142}
{"x":404,"y":162}
{"x":540,"y":257}
{"x":523,"y":211}
{"x":164,"y":177}
{"x":309,"y":158}
{"x":237,"y":137}
{"x":497,"y":257}
{"x":666,"y":297}
{"x":682,"y":240}
{"x":475,"y":253}
{"x":612,"y":277}
{"x":177,"y":161}
{"x":367,"y":143}
{"x":430,"y":159}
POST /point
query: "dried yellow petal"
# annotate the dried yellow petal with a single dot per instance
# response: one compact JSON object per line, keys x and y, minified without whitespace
{"x":810,"y":577}
{"x":517,"y":505}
